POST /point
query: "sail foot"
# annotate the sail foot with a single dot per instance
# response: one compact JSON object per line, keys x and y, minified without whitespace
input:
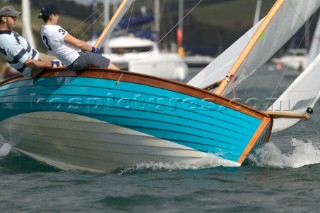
{"x":274,"y":114}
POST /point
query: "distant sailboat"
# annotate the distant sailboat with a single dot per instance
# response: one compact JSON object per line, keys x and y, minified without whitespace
{"x":130,"y":53}
{"x":100,"y":119}
{"x":299,"y":59}
{"x":190,"y":60}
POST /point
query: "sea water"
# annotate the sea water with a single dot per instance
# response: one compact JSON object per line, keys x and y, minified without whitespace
{"x":282,"y":176}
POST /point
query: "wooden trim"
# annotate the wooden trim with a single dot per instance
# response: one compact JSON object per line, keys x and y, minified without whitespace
{"x":274,"y":114}
{"x":266,"y":122}
{"x":147,"y":80}
{"x":249,"y":47}
{"x":12,"y":79}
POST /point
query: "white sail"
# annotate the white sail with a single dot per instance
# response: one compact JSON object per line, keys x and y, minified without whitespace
{"x":290,"y":16}
{"x":315,"y":44}
{"x":302,"y":93}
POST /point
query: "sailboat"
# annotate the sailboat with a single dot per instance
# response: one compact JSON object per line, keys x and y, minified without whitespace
{"x":130,"y":52}
{"x":299,"y":59}
{"x":100,"y":120}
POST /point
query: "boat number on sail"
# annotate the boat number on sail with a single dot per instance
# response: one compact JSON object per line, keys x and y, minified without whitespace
{"x":45,"y":39}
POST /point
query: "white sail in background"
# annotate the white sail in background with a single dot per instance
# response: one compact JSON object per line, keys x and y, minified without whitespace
{"x":219,"y":67}
{"x":302,"y":93}
{"x":315,"y":44}
{"x":290,"y":16}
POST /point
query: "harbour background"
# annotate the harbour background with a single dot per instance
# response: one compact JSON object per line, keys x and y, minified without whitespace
{"x":282,"y":176}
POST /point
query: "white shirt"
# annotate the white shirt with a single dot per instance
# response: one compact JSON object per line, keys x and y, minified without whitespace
{"x":16,"y":50}
{"x":53,"y":38}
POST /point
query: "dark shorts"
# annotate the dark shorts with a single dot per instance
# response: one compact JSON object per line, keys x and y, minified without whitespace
{"x":89,"y":59}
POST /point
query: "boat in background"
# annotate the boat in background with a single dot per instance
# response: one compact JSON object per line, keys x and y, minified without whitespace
{"x":143,"y":56}
{"x":197,"y":60}
{"x":299,"y":59}
{"x":295,"y":59}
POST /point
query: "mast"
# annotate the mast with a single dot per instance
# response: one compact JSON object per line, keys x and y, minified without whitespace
{"x":307,"y":35}
{"x":257,"y":13}
{"x":181,"y":51}
{"x":93,"y":17}
{"x":26,"y":27}
{"x":181,"y":6}
{"x":106,"y":21}
{"x":157,"y":18}
{"x":124,"y":6}
{"x":224,"y":83}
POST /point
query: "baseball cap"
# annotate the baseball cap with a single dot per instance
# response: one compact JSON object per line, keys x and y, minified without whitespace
{"x":9,"y":11}
{"x":48,"y":10}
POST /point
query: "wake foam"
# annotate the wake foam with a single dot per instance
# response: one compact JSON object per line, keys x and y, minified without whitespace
{"x":303,"y":153}
{"x":5,"y":149}
{"x":207,"y":162}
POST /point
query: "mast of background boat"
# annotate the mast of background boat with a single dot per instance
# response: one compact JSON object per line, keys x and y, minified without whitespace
{"x":180,"y":29}
{"x":106,"y":21}
{"x":157,"y":19}
{"x":224,"y":83}
{"x":94,"y":6}
{"x":124,"y":6}
{"x":26,"y":27}
{"x":257,"y":13}
{"x":307,"y":35}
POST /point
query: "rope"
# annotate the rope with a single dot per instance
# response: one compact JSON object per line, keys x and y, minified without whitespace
{"x":234,"y":85}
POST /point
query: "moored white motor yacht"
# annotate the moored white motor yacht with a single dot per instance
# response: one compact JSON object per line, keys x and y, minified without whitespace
{"x":143,"y":56}
{"x":294,"y":58}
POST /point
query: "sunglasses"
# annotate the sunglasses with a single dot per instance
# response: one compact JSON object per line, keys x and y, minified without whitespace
{"x":13,"y":17}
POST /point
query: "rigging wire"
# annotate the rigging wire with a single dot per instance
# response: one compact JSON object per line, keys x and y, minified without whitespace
{"x":84,"y":21}
{"x":130,"y":16}
{"x":190,"y":11}
{"x":127,"y":28}
{"x":93,"y":23}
